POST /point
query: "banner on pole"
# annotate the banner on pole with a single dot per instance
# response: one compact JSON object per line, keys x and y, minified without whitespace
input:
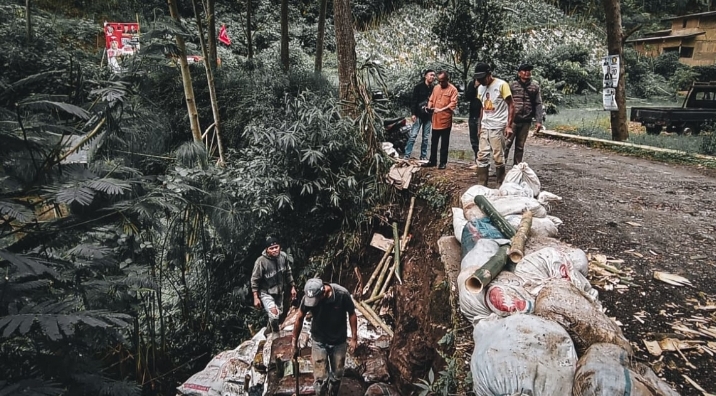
{"x":610,"y":71}
{"x":121,"y":39}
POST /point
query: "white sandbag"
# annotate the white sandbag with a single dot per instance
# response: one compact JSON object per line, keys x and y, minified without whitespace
{"x":605,"y":370}
{"x":545,"y":198}
{"x":472,"y":305}
{"x":556,"y":220}
{"x":514,"y":189}
{"x":577,"y":256}
{"x":550,"y":263}
{"x":541,"y":226}
{"x":509,"y":205}
{"x":522,"y":355}
{"x":561,"y":302}
{"x":483,"y":250}
{"x":227,"y":366}
{"x":522,"y":173}
{"x":458,"y":222}
{"x":504,"y":296}
{"x":467,"y":200}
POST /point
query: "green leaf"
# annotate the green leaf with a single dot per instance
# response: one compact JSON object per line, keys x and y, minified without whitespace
{"x":50,"y":105}
{"x":79,"y":193}
{"x":15,"y":211}
{"x":49,"y":325}
{"x":109,"y":186}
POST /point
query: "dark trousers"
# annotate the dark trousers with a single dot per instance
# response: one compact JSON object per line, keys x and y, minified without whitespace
{"x":520,"y":130}
{"x":473,"y":124}
{"x":442,"y":135}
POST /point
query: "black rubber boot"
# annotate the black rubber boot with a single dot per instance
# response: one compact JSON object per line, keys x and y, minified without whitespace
{"x":482,"y":174}
{"x":500,"y":174}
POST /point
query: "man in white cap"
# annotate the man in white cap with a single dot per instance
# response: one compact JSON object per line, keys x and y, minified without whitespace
{"x":329,"y":303}
{"x":271,"y":275}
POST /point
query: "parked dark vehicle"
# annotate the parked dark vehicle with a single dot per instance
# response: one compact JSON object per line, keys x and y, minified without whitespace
{"x":699,"y":107}
{"x":397,"y":132}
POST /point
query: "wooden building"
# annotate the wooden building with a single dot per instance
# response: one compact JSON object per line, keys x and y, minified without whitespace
{"x":693,"y":36}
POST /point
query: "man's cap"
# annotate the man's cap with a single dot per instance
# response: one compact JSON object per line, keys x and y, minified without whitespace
{"x":482,"y":70}
{"x":425,"y":73}
{"x":525,"y":67}
{"x":270,"y":241}
{"x":313,"y":291}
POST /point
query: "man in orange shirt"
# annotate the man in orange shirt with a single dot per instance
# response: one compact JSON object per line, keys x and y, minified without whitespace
{"x":442,"y":102}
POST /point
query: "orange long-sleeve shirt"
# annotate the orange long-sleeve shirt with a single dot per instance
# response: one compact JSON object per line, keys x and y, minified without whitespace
{"x":443,"y":97}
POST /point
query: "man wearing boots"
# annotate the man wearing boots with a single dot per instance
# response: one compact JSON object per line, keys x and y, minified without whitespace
{"x":329,"y":303}
{"x":528,"y":105}
{"x":442,"y":102}
{"x":497,"y":114}
{"x":473,"y":121}
{"x":271,"y":275}
{"x":421,"y":119}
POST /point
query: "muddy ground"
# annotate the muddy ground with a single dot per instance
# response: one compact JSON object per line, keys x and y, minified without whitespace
{"x":654,"y":216}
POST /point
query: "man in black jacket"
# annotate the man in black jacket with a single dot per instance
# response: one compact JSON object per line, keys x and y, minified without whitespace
{"x":473,"y":122}
{"x":528,"y":105}
{"x":270,"y":278}
{"x":421,"y":118}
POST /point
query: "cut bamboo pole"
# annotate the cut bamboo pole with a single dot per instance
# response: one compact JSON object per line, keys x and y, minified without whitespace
{"x":374,"y":299}
{"x":517,"y":250}
{"x":488,"y":271}
{"x":372,"y":317}
{"x":381,"y":278}
{"x":378,"y":268}
{"x":404,"y":239}
{"x":495,"y":217}
{"x":396,"y":250}
{"x":386,"y":284}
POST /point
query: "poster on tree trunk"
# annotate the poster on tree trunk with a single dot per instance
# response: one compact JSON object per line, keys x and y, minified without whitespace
{"x":121,"y":39}
{"x":610,"y":71}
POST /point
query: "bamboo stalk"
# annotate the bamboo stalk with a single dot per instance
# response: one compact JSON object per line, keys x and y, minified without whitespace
{"x":396,"y":249}
{"x":404,"y":239}
{"x":381,"y":278}
{"x":372,"y":317}
{"x":378,"y":268}
{"x":488,"y":271}
{"x":386,"y":284}
{"x":374,"y":299}
{"x":517,"y":250}
{"x":495,"y":217}
{"x":609,"y":268}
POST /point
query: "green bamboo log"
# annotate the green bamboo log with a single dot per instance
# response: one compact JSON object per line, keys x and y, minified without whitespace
{"x":485,"y":274}
{"x":495,"y":217}
{"x":396,"y":260}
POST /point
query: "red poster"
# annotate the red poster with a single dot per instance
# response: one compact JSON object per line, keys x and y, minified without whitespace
{"x":121,"y":38}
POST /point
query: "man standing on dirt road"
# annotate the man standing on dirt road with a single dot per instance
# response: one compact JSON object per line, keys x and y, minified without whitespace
{"x":421,"y":119}
{"x":528,"y":105}
{"x":473,"y":122}
{"x":329,"y":303}
{"x":442,"y":102}
{"x":271,"y":274}
{"x":497,"y":117}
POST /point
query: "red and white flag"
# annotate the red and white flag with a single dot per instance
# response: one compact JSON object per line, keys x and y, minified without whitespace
{"x":224,"y":36}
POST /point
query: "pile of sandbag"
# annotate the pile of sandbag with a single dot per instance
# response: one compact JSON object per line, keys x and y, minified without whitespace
{"x":539,"y":328}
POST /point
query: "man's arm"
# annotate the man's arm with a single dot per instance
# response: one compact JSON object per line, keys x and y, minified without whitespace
{"x":297,"y":327}
{"x":289,"y":277}
{"x":539,"y":110}
{"x":510,"y":115}
{"x":255,"y":278}
{"x":453,"y":101}
{"x":353,"y":321}
{"x":415,"y":102}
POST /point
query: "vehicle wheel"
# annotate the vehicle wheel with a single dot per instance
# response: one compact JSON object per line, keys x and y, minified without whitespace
{"x":653,"y":130}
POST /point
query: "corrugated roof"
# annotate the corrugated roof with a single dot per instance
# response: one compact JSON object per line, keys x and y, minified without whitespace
{"x":679,"y":34}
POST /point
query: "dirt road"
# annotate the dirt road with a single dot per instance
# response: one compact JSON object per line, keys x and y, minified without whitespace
{"x":653,"y":216}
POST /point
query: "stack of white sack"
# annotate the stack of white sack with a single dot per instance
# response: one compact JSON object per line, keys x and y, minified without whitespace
{"x":538,"y":315}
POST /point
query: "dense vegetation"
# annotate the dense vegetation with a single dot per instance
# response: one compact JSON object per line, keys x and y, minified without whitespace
{"x":124,"y":273}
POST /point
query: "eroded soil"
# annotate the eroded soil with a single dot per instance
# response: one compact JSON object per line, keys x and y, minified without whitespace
{"x":653,"y":216}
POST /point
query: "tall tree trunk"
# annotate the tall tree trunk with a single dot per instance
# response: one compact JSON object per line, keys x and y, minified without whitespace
{"x":212,"y":87}
{"x":249,"y":42}
{"x":615,"y":42}
{"x":28,"y":21}
{"x":210,"y":7}
{"x":284,"y":35}
{"x":346,"y":49}
{"x":186,"y":78}
{"x":321,"y":35}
